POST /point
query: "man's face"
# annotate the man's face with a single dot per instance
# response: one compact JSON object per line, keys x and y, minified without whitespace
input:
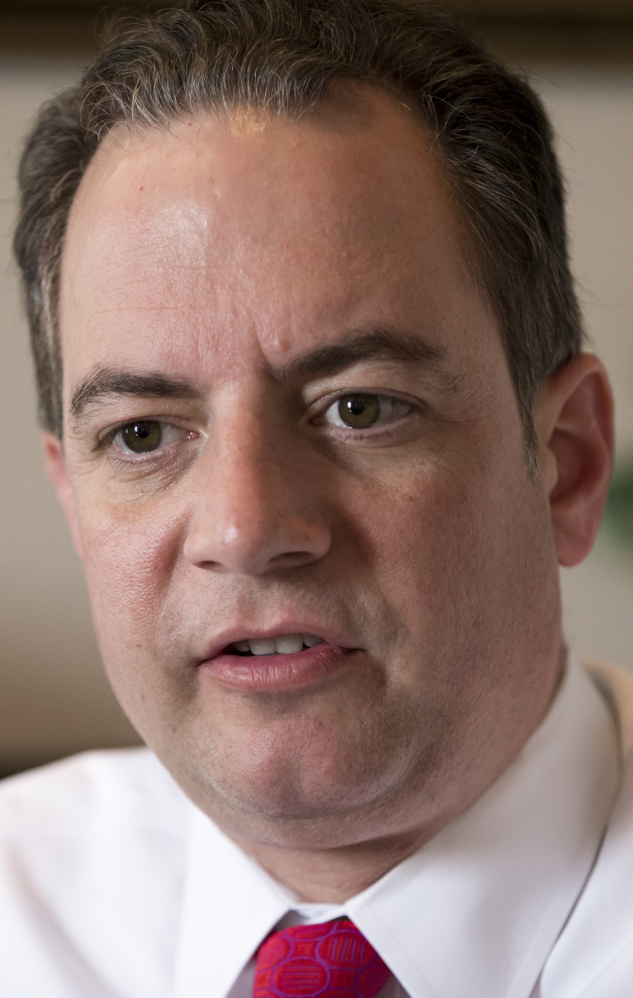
{"x":288,"y":412}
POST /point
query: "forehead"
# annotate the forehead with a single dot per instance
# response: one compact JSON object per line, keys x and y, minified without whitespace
{"x":285,"y":229}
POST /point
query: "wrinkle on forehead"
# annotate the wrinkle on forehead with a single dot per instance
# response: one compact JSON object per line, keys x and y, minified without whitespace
{"x":206,"y":195}
{"x":287,"y":234}
{"x":179,"y":220}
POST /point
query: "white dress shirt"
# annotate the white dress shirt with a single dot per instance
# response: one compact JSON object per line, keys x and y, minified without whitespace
{"x":113,"y":885}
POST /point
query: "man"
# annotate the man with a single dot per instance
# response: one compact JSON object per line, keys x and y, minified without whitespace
{"x":315,"y":407}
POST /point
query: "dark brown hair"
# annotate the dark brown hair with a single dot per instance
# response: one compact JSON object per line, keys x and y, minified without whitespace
{"x":282,"y":56}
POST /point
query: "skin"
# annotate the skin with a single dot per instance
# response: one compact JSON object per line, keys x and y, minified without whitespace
{"x":220,"y":253}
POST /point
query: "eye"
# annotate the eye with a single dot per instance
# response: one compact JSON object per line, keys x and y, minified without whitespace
{"x":141,"y":437}
{"x":362,"y":411}
{"x":147,"y":435}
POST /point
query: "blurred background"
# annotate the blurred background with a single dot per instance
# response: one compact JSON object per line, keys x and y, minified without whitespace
{"x":579,"y":56}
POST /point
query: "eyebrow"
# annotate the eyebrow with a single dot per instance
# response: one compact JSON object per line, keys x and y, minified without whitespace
{"x":105,"y":383}
{"x":108,"y":382}
{"x":376,"y":344}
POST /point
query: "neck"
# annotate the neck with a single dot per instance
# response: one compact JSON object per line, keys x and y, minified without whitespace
{"x":332,"y":876}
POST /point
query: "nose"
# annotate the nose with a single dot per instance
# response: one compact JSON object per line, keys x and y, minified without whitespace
{"x":257,"y":509}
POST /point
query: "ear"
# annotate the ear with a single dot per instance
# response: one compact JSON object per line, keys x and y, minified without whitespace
{"x":58,"y":474}
{"x":574,"y":426}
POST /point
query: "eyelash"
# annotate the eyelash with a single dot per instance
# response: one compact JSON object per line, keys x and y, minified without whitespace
{"x":106,"y":440}
{"x":406,"y":405}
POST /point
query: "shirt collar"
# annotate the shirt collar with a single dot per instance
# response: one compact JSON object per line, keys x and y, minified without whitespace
{"x":475,"y":911}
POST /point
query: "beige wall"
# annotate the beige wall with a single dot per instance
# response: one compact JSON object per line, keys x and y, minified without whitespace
{"x":53,"y":698}
{"x":592,"y":109}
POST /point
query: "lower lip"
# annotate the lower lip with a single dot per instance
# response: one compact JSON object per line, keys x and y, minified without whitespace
{"x":277,"y":673}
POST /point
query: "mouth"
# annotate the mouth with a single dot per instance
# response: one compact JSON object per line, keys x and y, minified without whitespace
{"x":275,"y":662}
{"x":283,"y":644}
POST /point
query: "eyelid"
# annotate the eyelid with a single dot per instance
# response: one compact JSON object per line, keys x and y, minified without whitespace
{"x":327,"y":402}
{"x":323,"y":401}
{"x":107,"y":437}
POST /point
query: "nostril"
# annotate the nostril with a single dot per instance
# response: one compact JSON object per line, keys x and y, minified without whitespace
{"x":220,"y":540}
{"x":291,"y":559}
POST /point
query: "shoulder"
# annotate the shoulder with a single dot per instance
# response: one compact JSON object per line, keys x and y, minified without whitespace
{"x":616,"y":686}
{"x":594,"y":955}
{"x":129,"y":786}
{"x":92,"y":858}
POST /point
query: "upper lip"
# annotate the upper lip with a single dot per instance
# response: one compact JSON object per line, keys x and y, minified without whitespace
{"x":243,"y":633}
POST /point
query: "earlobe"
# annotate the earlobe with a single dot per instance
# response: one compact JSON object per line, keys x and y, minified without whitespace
{"x":58,"y":474}
{"x":574,"y":424}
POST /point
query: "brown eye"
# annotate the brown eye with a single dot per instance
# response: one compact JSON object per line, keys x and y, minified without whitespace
{"x":366,"y":411}
{"x":142,"y":437}
{"x":359,"y":411}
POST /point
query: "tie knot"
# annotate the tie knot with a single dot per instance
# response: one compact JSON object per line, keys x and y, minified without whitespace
{"x":331,"y":960}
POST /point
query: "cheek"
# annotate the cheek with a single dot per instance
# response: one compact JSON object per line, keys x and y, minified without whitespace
{"x":467,"y":559}
{"x":420,"y":531}
{"x":130,"y":568}
{"x":129,"y":564}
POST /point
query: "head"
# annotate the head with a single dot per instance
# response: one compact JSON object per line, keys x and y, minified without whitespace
{"x":308,"y":352}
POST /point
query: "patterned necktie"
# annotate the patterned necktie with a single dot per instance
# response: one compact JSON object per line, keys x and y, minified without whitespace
{"x":332,"y":960}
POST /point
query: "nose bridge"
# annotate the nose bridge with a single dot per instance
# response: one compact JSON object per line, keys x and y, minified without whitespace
{"x":248,"y":479}
{"x":254,"y":512}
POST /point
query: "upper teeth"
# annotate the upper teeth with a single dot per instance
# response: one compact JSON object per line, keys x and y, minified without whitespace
{"x":283,"y":645}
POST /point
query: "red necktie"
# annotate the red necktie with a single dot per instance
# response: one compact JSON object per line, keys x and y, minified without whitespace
{"x":332,"y":960}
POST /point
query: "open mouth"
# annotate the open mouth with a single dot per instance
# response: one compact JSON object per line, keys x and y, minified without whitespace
{"x":284,"y":663}
{"x":284,"y":644}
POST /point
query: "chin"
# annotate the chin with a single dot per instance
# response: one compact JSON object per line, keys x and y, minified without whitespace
{"x":277,"y":806}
